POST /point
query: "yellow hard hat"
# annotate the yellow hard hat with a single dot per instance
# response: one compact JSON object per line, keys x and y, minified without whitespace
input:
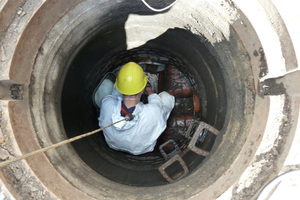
{"x":131,"y":79}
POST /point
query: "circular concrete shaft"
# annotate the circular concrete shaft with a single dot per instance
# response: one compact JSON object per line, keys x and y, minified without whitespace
{"x":53,"y":53}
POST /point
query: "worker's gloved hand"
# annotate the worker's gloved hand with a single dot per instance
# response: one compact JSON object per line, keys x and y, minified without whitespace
{"x":149,"y":90}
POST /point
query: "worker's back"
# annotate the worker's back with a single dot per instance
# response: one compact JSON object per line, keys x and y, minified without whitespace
{"x":139,"y":135}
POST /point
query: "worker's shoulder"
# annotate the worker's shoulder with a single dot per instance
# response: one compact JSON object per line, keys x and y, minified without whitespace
{"x":109,"y":100}
{"x":154,"y":98}
{"x":152,"y":108}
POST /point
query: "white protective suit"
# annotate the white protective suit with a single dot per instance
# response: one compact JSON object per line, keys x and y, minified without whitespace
{"x":139,"y":135}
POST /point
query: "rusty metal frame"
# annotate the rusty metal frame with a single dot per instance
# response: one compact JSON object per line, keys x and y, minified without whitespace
{"x":192,"y":144}
{"x":176,"y":150}
{"x":175,"y":158}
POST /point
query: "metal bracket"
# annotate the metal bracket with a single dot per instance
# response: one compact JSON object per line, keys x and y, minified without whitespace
{"x":191,"y":129}
{"x":175,"y":158}
{"x":169,"y":155}
{"x":192,"y":144}
{"x":195,"y":130}
{"x":11,"y":91}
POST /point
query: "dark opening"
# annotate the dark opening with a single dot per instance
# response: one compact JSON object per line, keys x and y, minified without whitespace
{"x":190,"y":62}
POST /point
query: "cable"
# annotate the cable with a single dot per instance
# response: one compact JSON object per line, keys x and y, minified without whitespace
{"x":159,"y":10}
{"x":129,"y":117}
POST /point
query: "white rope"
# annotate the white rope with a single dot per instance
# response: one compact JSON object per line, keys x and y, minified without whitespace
{"x":159,"y":10}
{"x":129,"y":117}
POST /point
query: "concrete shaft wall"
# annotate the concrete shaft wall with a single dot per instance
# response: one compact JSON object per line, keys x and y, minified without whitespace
{"x":255,"y":44}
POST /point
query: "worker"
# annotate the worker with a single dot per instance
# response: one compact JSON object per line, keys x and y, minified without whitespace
{"x":139,"y":135}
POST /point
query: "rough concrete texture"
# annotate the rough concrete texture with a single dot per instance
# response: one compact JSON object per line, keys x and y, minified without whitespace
{"x":265,"y":161}
{"x":275,"y":156}
{"x":13,"y":29}
{"x":21,"y":177}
